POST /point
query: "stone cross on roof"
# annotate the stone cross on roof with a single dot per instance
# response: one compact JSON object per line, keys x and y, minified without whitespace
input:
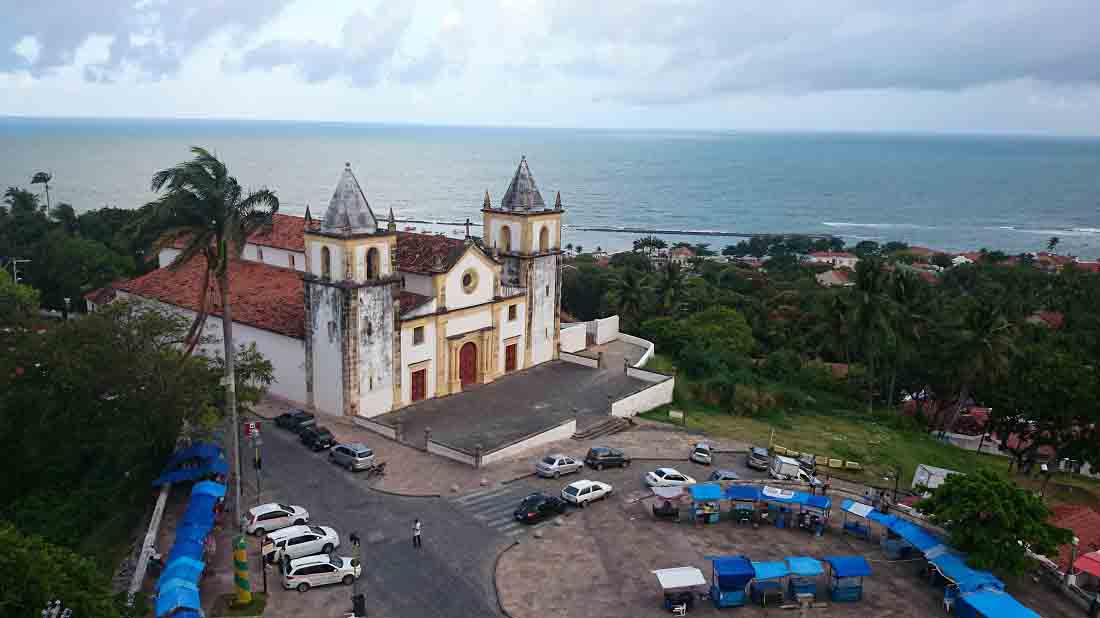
{"x":348,"y":211}
{"x":522,"y":193}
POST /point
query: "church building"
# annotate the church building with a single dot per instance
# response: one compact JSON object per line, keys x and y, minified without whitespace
{"x":360,"y":319}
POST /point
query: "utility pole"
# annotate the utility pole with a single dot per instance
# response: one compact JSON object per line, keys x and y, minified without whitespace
{"x":15,"y":262}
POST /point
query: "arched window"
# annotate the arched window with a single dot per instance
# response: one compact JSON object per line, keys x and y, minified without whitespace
{"x":326,"y":264}
{"x":544,"y":239}
{"x":505,"y":243}
{"x":372,"y":263}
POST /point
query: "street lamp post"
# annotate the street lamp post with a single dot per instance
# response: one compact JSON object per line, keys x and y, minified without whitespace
{"x":67,"y":301}
{"x":1072,"y":559}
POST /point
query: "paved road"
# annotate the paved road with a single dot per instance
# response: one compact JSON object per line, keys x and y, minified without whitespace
{"x":494,"y":507}
{"x":452,"y":575}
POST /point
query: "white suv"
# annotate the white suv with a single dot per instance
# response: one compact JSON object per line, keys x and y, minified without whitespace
{"x":274,"y":515}
{"x":298,"y":541}
{"x":583,"y":492}
{"x":305,"y":573}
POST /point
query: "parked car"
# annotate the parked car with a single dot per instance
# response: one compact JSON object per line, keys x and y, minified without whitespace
{"x":298,"y":541}
{"x":723,"y":475}
{"x":317,"y":438}
{"x":294,"y":420}
{"x":667,"y":477}
{"x":305,"y":573}
{"x":273,"y":516}
{"x":537,"y":507}
{"x":556,"y":464}
{"x":700,"y":453}
{"x":600,"y":457}
{"x":354,"y":456}
{"x":583,"y":492}
{"x":758,"y":458}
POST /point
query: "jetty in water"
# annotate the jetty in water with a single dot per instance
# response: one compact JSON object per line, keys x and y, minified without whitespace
{"x":640,"y":230}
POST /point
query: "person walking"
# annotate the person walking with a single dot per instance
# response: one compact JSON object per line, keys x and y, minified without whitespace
{"x":416,"y":533}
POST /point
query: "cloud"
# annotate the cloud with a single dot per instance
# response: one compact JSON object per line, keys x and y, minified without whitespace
{"x":370,"y":50}
{"x":152,"y":35}
{"x":674,"y":51}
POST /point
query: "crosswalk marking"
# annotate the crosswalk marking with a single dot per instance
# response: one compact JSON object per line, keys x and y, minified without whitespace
{"x":494,"y":506}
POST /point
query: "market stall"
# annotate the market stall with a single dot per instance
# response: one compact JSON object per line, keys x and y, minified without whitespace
{"x":730,"y":575}
{"x":706,"y":503}
{"x":767,"y":587}
{"x":846,"y":575}
{"x":991,"y":604}
{"x":804,"y":571}
{"x":743,"y":499}
{"x":813,"y":516}
{"x":855,"y":520}
{"x":668,"y":502}
{"x":780,"y":505}
{"x":680,"y":586}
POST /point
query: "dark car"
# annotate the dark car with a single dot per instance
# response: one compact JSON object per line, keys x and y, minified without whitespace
{"x":317,"y":438}
{"x":758,"y":458}
{"x":295,"y":420}
{"x":537,"y":507}
{"x":600,"y":457}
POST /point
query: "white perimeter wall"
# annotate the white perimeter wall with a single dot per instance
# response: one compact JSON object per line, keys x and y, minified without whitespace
{"x":642,"y":343}
{"x":436,"y":448}
{"x":656,"y":395}
{"x":412,"y":354}
{"x":561,"y":432}
{"x":604,"y":330}
{"x":580,"y":360}
{"x":509,"y":329}
{"x":287,"y":354}
{"x":573,"y":337}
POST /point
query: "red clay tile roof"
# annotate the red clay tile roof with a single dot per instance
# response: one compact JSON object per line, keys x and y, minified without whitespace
{"x":1091,"y":267}
{"x":427,"y":253}
{"x":1053,"y":319}
{"x":285,"y":232}
{"x":1085,"y":524}
{"x":410,"y":300}
{"x":263,"y":296}
{"x":102,"y":296}
{"x":922,"y":251}
{"x":832,"y":254}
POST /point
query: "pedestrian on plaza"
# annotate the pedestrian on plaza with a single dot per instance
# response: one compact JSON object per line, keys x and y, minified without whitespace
{"x":826,"y":486}
{"x":416,"y":533}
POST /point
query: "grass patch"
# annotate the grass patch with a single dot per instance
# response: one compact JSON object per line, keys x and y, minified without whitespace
{"x":223,"y":606}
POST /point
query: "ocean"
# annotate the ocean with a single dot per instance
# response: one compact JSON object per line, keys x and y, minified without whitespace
{"x":946,"y":192}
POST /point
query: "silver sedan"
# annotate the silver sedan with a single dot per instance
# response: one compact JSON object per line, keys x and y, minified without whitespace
{"x":556,"y":464}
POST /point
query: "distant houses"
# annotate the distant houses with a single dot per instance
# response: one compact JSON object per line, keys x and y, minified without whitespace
{"x":835,"y":278}
{"x":836,"y":259}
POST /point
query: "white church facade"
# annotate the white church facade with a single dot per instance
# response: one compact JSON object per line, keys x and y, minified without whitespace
{"x":360,"y":319}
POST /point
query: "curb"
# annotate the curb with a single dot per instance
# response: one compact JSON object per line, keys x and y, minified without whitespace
{"x":517,"y":478}
{"x":496,"y":565}
{"x":402,"y":495}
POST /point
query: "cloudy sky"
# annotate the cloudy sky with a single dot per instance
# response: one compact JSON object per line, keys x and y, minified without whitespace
{"x":1016,"y":66}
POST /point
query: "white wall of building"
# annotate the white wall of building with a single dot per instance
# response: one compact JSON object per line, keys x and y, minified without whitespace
{"x":337,"y":259}
{"x":471,"y":322}
{"x":457,"y":297}
{"x":572,"y":337}
{"x":274,"y":256}
{"x":328,"y":395}
{"x":552,"y":234}
{"x":427,"y":308}
{"x":413,"y":354}
{"x":511,"y":328}
{"x":376,"y":367}
{"x":514,"y":231}
{"x":286,"y":354}
{"x":166,"y":255}
{"x":385,"y":269}
{"x":543,"y":294}
{"x":418,"y":284}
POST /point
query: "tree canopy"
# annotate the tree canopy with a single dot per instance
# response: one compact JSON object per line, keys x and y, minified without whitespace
{"x":993,"y":521}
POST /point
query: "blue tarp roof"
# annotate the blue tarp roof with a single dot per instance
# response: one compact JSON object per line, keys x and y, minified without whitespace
{"x":166,"y":585}
{"x":997,"y":603}
{"x":183,"y":568}
{"x":175,"y":598}
{"x":186,"y":548}
{"x":733,"y":572}
{"x":915,"y":535}
{"x":706,"y":491}
{"x":187,"y":613}
{"x":770,"y":570}
{"x":821,"y":502}
{"x":195,"y":533}
{"x":211,"y":488}
{"x":200,"y":510}
{"x":216,"y":466}
{"x":954,"y":568}
{"x":200,"y":450}
{"x":849,"y":566}
{"x":794,"y":497}
{"x":743,"y":492}
{"x":804,"y":566}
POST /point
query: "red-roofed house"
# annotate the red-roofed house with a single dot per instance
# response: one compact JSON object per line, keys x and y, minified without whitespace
{"x":1089,"y":267}
{"x":359,"y":319}
{"x":1084,"y":522}
{"x":838,"y":259}
{"x":1050,"y":319}
{"x":835,"y":278}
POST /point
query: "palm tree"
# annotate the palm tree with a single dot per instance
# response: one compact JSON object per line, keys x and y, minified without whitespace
{"x":628,"y":294}
{"x":43,"y":178}
{"x":207,"y":207}
{"x":670,"y":287}
{"x":1052,"y":243}
{"x":908,"y":321}
{"x":872,"y":326}
{"x":984,"y":348}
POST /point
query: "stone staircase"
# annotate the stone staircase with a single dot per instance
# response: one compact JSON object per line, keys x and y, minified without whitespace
{"x":612,"y":425}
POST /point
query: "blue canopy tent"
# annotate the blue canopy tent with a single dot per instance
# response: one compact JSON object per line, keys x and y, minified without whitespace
{"x":766,"y":587}
{"x":165,"y":586}
{"x":991,"y":604}
{"x":743,"y":500}
{"x":216,"y":467}
{"x":184,"y":568}
{"x":730,"y":575}
{"x":198,"y":450}
{"x":861,"y":512}
{"x":847,"y":573}
{"x":804,"y":572}
{"x":185,"y":548}
{"x":211,"y":488}
{"x":704,"y":502}
{"x":180,"y":597}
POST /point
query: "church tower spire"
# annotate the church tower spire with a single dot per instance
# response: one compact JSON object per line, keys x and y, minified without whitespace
{"x":391,"y":224}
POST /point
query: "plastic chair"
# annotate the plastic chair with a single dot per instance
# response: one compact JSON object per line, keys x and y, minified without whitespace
{"x":680,"y":610}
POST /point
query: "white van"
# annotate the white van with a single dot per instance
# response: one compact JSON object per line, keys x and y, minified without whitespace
{"x":788,"y":469}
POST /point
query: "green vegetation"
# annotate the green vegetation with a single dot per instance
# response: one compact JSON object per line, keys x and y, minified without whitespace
{"x":223,"y":606}
{"x":826,"y":369}
{"x":993,"y":521}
